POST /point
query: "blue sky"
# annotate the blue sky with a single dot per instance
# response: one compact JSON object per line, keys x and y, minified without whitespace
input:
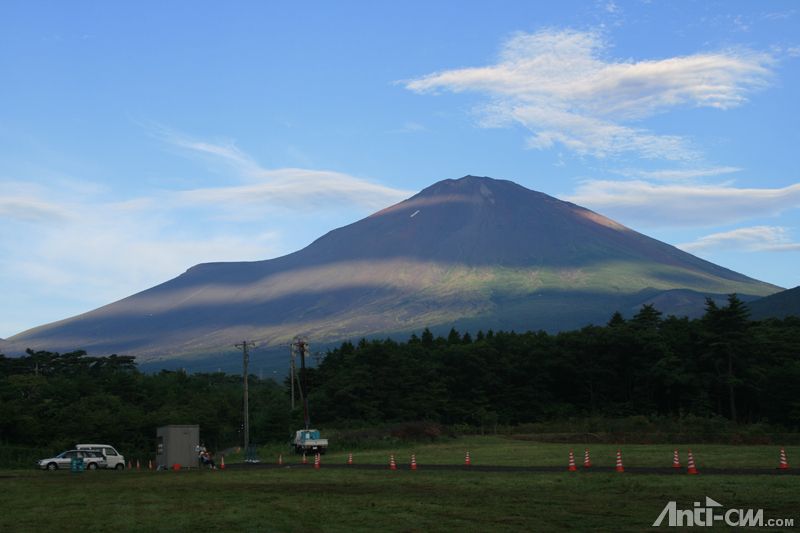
{"x":138,"y":139}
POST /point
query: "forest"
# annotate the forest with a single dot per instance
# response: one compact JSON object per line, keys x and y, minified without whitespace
{"x":723,"y":364}
{"x":720,"y":365}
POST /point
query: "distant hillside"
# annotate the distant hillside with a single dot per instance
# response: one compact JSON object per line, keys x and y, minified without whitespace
{"x":472,"y":253}
{"x":778,"y":305}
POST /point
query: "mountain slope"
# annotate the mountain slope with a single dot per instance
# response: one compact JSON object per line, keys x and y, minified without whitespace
{"x":473,"y":252}
{"x":778,"y":305}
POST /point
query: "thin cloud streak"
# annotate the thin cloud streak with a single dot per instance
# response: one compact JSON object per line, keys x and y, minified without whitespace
{"x":752,"y":239}
{"x":35,"y":210}
{"x":289,"y":186}
{"x":224,"y":151}
{"x":675,"y":205}
{"x":678,"y":174}
{"x":558,"y":85}
{"x":281,"y":186}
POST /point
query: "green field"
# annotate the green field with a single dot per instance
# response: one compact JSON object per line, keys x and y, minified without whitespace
{"x":303,"y":499}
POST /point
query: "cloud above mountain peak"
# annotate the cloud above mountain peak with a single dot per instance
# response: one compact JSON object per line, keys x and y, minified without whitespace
{"x":561,"y":86}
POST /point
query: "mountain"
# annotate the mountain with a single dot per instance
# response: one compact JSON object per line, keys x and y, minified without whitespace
{"x":778,"y":305}
{"x":472,"y":253}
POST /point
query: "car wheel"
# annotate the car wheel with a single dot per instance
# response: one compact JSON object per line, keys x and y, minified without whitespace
{"x":91,"y":466}
{"x":119,"y":466}
{"x":52,"y":466}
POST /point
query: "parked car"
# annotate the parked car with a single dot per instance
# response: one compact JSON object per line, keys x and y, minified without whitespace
{"x":91,"y":460}
{"x":113,"y":459}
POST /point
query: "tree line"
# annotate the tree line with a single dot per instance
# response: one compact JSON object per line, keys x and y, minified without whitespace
{"x":722,"y":364}
{"x":52,"y":400}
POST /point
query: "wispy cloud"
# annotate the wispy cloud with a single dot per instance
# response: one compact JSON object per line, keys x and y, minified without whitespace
{"x":780,"y":15}
{"x":678,"y":174}
{"x":31,"y":209}
{"x":752,"y":239}
{"x":224,"y":151}
{"x":559,"y":85}
{"x":653,"y":204}
{"x":409,"y":127}
{"x":298,"y":186}
{"x":281,"y":186}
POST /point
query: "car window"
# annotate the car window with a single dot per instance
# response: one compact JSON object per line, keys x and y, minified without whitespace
{"x":70,"y":455}
{"x":110,"y":451}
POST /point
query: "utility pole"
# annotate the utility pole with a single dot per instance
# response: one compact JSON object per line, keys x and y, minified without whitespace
{"x":303,"y":350}
{"x":244,"y":345}
{"x":291,"y":370}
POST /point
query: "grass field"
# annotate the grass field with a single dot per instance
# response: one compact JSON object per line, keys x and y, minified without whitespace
{"x":304,"y":499}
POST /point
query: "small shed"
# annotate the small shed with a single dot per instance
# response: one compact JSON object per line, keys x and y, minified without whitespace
{"x":177,"y":444}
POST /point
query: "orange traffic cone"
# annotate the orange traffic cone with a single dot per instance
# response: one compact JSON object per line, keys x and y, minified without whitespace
{"x":350,"y":458}
{"x":467,"y":461}
{"x":784,"y":465}
{"x":150,"y":464}
{"x":572,"y":467}
{"x":587,"y":463}
{"x":392,"y":464}
{"x":222,"y":462}
{"x":413,"y":462}
{"x":305,"y":460}
{"x":676,"y":462}
{"x":619,"y":467}
{"x":280,"y":458}
{"x":691,"y":469}
{"x":317,"y":462}
{"x":130,"y":466}
{"x":138,"y":466}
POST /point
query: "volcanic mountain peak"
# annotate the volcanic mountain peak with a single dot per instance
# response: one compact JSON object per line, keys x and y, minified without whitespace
{"x":473,"y":221}
{"x":473,"y":252}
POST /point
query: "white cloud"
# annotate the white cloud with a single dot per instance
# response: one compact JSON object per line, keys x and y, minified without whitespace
{"x":683,"y":204}
{"x":299,"y":187}
{"x":282,"y":186}
{"x":588,"y":135}
{"x":678,"y":174}
{"x":225,"y":151}
{"x":752,"y":239}
{"x":780,"y":15}
{"x":558,"y":84}
{"x":31,"y":209}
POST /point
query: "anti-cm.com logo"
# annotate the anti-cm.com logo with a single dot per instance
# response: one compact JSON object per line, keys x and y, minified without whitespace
{"x":713,"y":513}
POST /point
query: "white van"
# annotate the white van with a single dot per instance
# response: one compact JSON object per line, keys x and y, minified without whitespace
{"x":113,"y":458}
